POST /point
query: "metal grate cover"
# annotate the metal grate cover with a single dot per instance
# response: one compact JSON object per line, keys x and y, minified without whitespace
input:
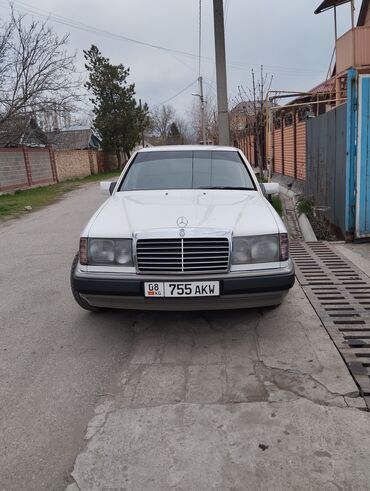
{"x":183,"y":255}
{"x":340,"y":294}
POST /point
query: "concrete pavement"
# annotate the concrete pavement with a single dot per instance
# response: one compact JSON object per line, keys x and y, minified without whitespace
{"x":230,"y":401}
{"x":225,"y":400}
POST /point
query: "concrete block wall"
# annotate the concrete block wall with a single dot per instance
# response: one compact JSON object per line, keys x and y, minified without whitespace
{"x":13,"y":172}
{"x":40,"y":165}
{"x":72,"y":163}
{"x":25,"y":167}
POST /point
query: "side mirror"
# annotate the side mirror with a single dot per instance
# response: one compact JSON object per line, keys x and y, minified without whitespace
{"x":107,"y":187}
{"x":270,"y":188}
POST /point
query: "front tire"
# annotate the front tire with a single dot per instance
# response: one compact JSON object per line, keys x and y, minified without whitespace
{"x":81,"y":302}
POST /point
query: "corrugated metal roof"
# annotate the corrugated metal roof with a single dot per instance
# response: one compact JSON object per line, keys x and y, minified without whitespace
{"x":329,"y":4}
{"x":73,"y":139}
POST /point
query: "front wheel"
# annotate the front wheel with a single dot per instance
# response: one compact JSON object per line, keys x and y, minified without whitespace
{"x":81,"y":302}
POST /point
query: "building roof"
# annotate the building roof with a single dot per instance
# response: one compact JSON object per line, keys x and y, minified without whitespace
{"x":21,"y":129}
{"x":324,"y":87}
{"x":329,"y":4}
{"x":74,"y":138}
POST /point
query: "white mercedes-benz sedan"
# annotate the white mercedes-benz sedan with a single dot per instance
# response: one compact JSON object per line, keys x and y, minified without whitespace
{"x":185,"y":228}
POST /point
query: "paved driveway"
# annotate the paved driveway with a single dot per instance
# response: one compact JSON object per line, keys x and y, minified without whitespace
{"x":226,"y":400}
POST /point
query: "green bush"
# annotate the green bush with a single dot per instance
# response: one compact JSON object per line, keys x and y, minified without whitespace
{"x":277,"y":204}
{"x":305,"y":206}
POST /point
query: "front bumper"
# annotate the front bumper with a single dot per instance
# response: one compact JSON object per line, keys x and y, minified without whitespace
{"x":237,"y":290}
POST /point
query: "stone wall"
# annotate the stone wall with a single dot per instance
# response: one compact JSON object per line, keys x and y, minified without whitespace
{"x":73,"y":163}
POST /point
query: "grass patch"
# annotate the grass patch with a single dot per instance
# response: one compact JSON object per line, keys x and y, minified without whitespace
{"x":12,"y":205}
{"x":277,"y":204}
{"x":305,"y":206}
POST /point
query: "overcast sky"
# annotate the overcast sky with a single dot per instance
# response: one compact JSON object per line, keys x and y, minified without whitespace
{"x":285,"y":36}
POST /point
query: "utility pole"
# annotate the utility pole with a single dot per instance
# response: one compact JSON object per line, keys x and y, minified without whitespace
{"x":142,"y":134}
{"x":223,"y":112}
{"x":202,"y":110}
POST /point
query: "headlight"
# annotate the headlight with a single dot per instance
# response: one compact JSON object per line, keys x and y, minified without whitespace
{"x":259,"y":249}
{"x":110,"y":251}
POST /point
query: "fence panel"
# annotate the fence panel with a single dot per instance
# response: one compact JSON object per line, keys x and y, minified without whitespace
{"x":40,"y":165}
{"x":326,"y":163}
{"x":301,"y":150}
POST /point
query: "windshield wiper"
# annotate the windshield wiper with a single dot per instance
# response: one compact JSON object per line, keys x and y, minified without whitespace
{"x":230,"y":187}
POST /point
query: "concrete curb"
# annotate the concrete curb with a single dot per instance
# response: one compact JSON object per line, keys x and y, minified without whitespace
{"x":304,"y":224}
{"x":306,"y":228}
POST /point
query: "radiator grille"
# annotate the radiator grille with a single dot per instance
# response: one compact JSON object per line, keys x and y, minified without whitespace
{"x":188,"y":255}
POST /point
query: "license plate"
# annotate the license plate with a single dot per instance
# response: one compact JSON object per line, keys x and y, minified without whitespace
{"x":189,"y":289}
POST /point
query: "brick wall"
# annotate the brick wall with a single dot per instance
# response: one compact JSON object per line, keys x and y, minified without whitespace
{"x":289,"y":144}
{"x":72,"y":163}
{"x":25,"y":167}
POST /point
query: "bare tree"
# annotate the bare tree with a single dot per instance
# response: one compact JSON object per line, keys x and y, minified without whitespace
{"x":36,"y":72}
{"x":184,"y":130}
{"x":161,"y":119}
{"x":256,"y":117}
{"x":195,"y":118}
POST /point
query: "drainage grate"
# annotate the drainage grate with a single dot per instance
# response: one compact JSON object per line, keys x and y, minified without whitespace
{"x":340,"y":294}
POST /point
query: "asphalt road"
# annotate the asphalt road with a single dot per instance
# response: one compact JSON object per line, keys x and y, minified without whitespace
{"x":56,"y":360}
{"x":169,"y":400}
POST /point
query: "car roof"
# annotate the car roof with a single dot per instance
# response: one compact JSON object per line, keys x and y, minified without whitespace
{"x":176,"y":148}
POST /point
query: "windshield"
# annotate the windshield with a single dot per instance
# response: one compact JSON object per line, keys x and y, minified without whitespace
{"x":187,"y":169}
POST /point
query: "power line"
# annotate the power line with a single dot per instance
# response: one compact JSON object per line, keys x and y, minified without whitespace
{"x":85,"y":27}
{"x":176,"y":95}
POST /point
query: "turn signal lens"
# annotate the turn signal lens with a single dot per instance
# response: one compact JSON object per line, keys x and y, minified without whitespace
{"x":83,"y":251}
{"x":284,"y":247}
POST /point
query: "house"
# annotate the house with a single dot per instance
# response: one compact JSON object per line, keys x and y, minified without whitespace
{"x":22,"y":130}
{"x":74,"y":138}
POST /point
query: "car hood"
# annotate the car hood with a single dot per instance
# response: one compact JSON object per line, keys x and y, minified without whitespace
{"x":242,"y":212}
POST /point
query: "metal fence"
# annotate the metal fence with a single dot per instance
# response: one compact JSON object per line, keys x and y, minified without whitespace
{"x":326,"y":163}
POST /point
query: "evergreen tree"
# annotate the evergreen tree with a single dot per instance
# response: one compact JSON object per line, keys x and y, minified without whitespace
{"x":117,"y":117}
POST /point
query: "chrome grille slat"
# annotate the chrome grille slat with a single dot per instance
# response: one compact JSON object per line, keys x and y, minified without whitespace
{"x":183,"y":255}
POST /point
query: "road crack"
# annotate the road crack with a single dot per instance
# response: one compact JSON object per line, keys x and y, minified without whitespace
{"x":297,"y":383}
